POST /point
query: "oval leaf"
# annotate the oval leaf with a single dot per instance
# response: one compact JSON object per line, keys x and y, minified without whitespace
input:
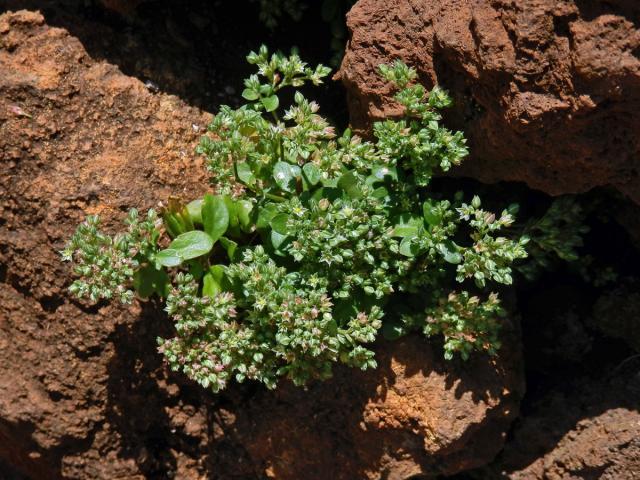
{"x":381,"y":172}
{"x":265,"y":215}
{"x":277,"y":241}
{"x":406,"y":230}
{"x":279,"y":223}
{"x":311,"y":173}
{"x":283,"y":175}
{"x":431,"y":215}
{"x":408,"y":248}
{"x":168,"y":258}
{"x":215,"y":216}
{"x":212,"y":281}
{"x":244,"y":209}
{"x":245,"y":174}
{"x":234,"y":221}
{"x":349,"y":182}
{"x":449,"y":252}
{"x":195,"y":210}
{"x":230,"y":246}
{"x":270,"y":103}
{"x":250,"y":94}
{"x":192,"y":244}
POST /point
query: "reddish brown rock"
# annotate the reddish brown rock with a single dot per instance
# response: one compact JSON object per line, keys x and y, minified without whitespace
{"x":547,"y":92}
{"x":78,"y":396}
{"x":83,"y":392}
{"x":590,"y":431}
{"x":416,"y":414}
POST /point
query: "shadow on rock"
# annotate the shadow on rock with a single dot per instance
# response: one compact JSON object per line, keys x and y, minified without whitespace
{"x":161,"y":421}
{"x":193,"y":49}
{"x":415,"y":414}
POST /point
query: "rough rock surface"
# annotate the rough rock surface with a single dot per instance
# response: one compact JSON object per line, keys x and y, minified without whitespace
{"x":590,"y":431}
{"x":77,"y":137}
{"x":417,"y":414}
{"x":547,"y":91}
{"x":83,"y":393}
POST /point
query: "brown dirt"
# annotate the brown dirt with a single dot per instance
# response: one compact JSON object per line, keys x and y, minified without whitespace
{"x":548,"y":92}
{"x":84,"y":394}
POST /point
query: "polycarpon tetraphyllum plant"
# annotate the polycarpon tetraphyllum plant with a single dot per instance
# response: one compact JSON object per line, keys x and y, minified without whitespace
{"x":309,"y":238}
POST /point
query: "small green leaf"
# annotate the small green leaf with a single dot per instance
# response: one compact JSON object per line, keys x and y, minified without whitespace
{"x":195,"y":210}
{"x":278,"y":240}
{"x":265,"y":89}
{"x":168,"y":258}
{"x":431,"y":215}
{"x":279,"y":223}
{"x":349,"y":182}
{"x":250,"y":94}
{"x":283,"y":175}
{"x":215,"y":216}
{"x":449,"y":252}
{"x":212,"y":281}
{"x":173,"y":224}
{"x":191,"y":244}
{"x":382,"y":172}
{"x":408,"y":248}
{"x":265,"y":215}
{"x":230,"y":246}
{"x":311,"y":173}
{"x":233,"y":212}
{"x":245,"y":174}
{"x":405,"y":230}
{"x":270,"y":103}
{"x":244,"y":209}
{"x":296,"y":171}
{"x":380,"y":193}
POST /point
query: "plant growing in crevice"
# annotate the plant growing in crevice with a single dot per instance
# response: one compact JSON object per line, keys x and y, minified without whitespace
{"x":557,"y":237}
{"x":309,"y":238}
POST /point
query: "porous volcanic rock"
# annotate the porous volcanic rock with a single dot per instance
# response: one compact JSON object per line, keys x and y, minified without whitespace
{"x":83,"y":392}
{"x":591,"y":429}
{"x":78,"y":397}
{"x":547,"y":91}
{"x":416,"y":414}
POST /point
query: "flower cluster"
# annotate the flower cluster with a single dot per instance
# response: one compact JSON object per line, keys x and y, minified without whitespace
{"x":107,"y":265}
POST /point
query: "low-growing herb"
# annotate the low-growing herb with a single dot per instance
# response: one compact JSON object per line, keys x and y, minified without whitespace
{"x":293,"y":262}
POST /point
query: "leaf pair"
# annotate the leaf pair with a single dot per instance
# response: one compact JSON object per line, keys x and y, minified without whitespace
{"x":196,"y":243}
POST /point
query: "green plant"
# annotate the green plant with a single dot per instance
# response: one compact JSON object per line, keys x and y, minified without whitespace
{"x":554,"y":237}
{"x":309,"y":238}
